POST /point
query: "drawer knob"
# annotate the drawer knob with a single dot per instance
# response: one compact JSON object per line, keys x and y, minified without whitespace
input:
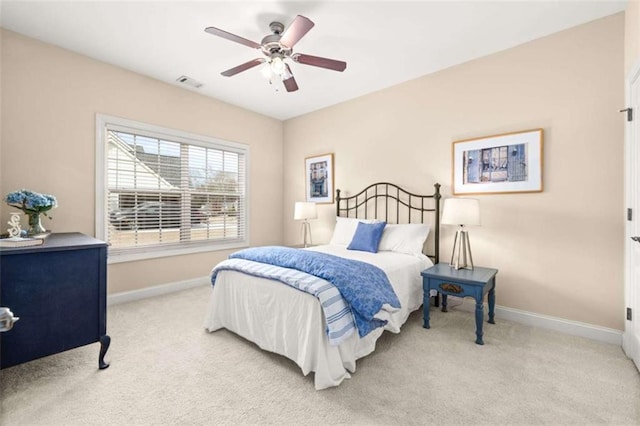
{"x":451,"y":288}
{"x":6,"y":319}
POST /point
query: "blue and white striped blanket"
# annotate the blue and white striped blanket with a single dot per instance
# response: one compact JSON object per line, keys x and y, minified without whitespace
{"x":351,"y":292}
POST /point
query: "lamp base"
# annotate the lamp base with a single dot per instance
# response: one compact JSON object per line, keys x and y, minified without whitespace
{"x":461,"y":251}
{"x":306,"y":231}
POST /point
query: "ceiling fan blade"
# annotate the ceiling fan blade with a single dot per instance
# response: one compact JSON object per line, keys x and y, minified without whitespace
{"x":317,"y":61}
{"x":235,"y":70}
{"x":221,"y":33}
{"x":289,"y":83}
{"x":296,"y":30}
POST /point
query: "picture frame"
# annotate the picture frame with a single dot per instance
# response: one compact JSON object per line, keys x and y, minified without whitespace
{"x":318,"y":171}
{"x":499,"y":164}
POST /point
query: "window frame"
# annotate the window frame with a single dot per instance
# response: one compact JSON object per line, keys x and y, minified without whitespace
{"x":106,"y":122}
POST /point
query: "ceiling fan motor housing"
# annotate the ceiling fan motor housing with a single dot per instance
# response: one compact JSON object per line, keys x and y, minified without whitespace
{"x":271,"y":43}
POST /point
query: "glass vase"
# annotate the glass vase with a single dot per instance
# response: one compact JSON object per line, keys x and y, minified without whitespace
{"x":35,"y":225}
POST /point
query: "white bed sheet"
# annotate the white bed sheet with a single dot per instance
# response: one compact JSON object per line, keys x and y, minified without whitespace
{"x":287,"y":321}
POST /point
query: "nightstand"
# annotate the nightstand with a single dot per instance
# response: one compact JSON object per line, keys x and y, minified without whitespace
{"x":461,"y":283}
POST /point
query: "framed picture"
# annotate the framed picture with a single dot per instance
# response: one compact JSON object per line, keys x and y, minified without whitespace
{"x":499,"y":164}
{"x":318,"y":173}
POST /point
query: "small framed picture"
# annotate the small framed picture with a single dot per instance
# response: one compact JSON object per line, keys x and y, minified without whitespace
{"x":499,"y":164}
{"x":319,"y":178}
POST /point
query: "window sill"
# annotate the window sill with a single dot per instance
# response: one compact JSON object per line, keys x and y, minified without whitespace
{"x":159,"y":252}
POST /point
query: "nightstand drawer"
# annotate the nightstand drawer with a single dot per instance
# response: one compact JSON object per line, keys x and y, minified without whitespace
{"x":450,"y":287}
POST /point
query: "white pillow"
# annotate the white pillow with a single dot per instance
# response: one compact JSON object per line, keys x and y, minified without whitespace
{"x":406,"y":238}
{"x":345,"y":229}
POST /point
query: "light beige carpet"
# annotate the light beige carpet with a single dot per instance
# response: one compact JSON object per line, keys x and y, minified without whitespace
{"x":165,"y":369}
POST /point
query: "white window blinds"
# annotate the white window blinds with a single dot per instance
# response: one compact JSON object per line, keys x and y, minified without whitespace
{"x":166,"y":189}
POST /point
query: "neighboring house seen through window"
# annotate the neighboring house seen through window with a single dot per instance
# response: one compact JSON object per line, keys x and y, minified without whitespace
{"x":163,"y":191}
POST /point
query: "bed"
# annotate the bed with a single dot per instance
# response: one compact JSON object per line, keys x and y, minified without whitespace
{"x":285,"y":320}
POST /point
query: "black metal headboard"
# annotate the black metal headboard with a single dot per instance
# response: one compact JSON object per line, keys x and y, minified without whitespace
{"x":395,"y":205}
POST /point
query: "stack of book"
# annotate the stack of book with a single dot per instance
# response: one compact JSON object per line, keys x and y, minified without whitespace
{"x":20,"y":242}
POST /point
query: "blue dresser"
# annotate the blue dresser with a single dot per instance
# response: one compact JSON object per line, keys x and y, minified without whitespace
{"x":59,"y":292}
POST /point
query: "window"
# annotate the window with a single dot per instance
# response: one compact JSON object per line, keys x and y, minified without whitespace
{"x":162,"y":192}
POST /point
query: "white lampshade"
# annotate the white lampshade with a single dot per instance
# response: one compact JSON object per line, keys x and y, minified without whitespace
{"x":461,"y":211}
{"x":305,"y":211}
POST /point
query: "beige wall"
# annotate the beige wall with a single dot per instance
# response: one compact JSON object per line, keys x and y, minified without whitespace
{"x":50,"y":97}
{"x":632,"y":35}
{"x":559,"y":252}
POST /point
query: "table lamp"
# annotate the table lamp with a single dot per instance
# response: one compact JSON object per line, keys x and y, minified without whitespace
{"x":305,"y":211}
{"x":461,"y":212}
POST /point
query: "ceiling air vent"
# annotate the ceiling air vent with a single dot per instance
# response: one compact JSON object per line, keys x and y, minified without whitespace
{"x":189,"y":81}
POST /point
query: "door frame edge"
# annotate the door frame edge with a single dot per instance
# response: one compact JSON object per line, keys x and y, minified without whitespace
{"x":630,"y":342}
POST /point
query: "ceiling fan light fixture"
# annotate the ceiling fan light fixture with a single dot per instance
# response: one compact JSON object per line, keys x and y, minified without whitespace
{"x":266,"y":71}
{"x":277,"y":65}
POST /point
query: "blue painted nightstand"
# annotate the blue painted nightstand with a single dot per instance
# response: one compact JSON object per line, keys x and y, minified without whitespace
{"x":461,"y":283}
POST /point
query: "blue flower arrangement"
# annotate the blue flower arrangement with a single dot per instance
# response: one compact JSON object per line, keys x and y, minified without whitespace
{"x":31,"y":202}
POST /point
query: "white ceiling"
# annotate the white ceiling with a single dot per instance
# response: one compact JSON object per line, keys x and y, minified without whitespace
{"x":383,"y":42}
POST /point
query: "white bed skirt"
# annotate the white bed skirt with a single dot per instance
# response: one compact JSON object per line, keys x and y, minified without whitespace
{"x":247,"y":305}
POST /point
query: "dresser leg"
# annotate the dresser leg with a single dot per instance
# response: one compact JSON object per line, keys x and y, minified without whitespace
{"x":105,"y":341}
{"x":479,"y":317}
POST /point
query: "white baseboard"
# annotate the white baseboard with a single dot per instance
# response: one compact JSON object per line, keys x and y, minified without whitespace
{"x":574,"y":328}
{"x":143,"y":293}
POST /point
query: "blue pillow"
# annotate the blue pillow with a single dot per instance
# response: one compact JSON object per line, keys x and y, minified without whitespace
{"x":367,"y":237}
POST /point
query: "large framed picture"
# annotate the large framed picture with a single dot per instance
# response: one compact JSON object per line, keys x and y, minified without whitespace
{"x":499,"y":164}
{"x":319,"y":178}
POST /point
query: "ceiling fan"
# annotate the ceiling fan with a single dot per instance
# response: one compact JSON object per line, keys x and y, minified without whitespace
{"x":277,"y":47}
